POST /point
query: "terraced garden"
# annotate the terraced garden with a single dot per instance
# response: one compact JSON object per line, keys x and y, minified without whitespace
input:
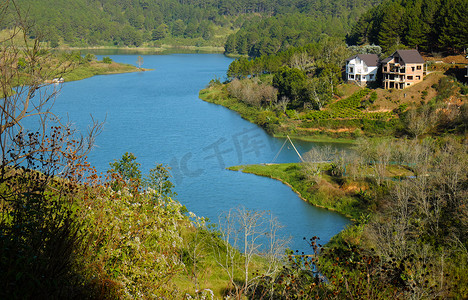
{"x":349,"y":108}
{"x":350,"y":114}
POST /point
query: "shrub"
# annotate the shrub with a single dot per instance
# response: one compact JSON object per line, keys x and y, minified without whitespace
{"x":292,"y":114}
{"x":266,"y":117}
{"x":252,"y":93}
{"x":464,"y":89}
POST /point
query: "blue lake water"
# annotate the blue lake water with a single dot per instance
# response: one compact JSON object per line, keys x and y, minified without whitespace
{"x":158,"y":116}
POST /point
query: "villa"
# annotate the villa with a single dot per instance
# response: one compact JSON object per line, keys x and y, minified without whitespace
{"x":402,"y":69}
{"x":362,"y":68}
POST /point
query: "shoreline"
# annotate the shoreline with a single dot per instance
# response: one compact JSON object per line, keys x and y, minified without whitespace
{"x":241,"y":168}
{"x":99,"y":68}
{"x":318,"y":139}
{"x":219,"y":97}
{"x":155,"y":50}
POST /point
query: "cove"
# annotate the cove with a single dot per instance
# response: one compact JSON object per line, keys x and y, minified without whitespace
{"x":158,"y":116}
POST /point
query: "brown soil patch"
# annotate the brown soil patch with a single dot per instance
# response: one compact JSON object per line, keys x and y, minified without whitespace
{"x":354,"y":187}
{"x":388,"y":100}
{"x":413,"y":95}
{"x":452,"y":59}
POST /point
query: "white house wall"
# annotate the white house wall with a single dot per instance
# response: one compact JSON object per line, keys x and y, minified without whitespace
{"x":357,"y":70}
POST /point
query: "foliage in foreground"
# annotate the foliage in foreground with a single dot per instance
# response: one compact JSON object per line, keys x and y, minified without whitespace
{"x":62,"y":237}
{"x":409,"y":242}
{"x":123,"y":237}
{"x":66,"y":232}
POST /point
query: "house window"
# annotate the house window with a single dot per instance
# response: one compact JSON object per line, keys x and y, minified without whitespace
{"x":418,"y":67}
{"x":412,"y":69}
{"x":409,"y":77}
{"x":371,"y":76}
{"x":351,"y":70}
{"x":351,"y":76}
{"x":385,"y":69}
{"x":418,"y":77}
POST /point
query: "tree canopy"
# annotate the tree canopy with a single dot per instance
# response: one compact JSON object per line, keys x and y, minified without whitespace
{"x":423,"y":24}
{"x":298,"y":26}
{"x":267,"y":26}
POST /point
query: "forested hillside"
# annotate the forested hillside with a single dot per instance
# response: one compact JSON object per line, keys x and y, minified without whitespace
{"x":266,"y":25}
{"x":121,"y":23}
{"x":429,"y":25}
{"x":304,"y":23}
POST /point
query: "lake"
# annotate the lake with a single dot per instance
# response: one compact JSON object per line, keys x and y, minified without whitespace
{"x":158,"y":116}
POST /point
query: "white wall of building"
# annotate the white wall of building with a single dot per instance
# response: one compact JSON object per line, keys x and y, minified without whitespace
{"x":357,"y":70}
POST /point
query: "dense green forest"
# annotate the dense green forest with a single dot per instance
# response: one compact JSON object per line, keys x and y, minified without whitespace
{"x":121,"y":23}
{"x":208,"y":23}
{"x":429,"y":25}
{"x":306,"y":23}
{"x":248,"y":28}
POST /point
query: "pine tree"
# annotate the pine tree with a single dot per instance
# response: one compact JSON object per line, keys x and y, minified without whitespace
{"x":415,"y":34}
{"x":453,"y":30}
{"x":390,"y":27}
{"x":242,"y":45}
{"x":160,"y":32}
{"x":230,"y":46}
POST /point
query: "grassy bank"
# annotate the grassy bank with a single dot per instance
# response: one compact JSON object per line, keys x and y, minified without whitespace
{"x":218,"y":95}
{"x":317,"y":184}
{"x":319,"y":138}
{"x":342,"y":121}
{"x":98,"y":68}
{"x":353,"y":112}
{"x":325,"y":193}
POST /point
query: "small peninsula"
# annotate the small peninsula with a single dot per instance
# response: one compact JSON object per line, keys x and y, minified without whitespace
{"x":79,"y":66}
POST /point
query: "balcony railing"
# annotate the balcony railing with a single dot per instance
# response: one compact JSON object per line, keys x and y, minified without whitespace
{"x":395,"y":71}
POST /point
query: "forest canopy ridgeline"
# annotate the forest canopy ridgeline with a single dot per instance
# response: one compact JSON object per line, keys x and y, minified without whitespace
{"x":207,"y":22}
